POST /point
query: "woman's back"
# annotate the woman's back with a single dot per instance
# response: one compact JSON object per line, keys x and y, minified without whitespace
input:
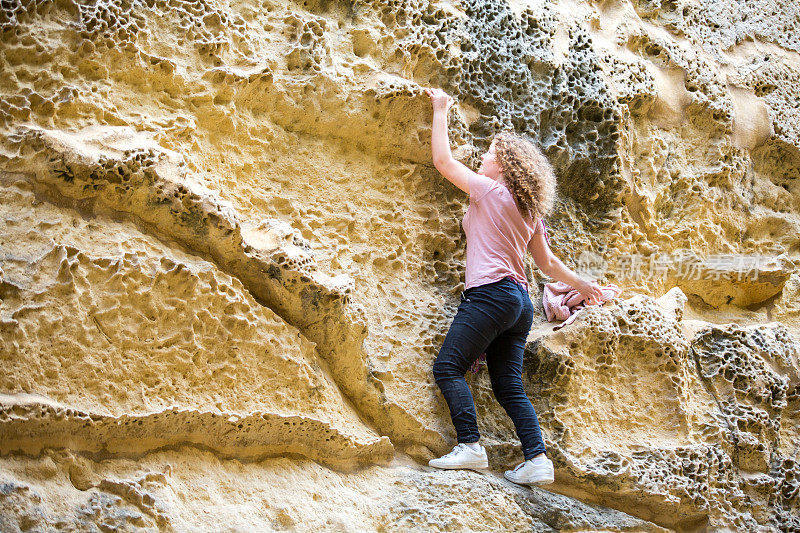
{"x":497,"y":234}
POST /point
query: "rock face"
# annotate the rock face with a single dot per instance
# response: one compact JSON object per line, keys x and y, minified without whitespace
{"x":227,"y":263}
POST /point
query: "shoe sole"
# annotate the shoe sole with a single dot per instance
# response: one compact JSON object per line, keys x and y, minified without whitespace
{"x":543,"y":481}
{"x":533,"y":483}
{"x":477,"y":468}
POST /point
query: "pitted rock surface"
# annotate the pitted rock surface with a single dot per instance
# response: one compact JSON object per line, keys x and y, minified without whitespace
{"x":227,"y":263}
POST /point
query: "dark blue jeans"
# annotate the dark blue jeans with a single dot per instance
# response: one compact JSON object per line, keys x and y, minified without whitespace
{"x":494,"y":318}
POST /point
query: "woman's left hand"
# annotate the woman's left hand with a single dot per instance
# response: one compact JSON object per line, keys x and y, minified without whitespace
{"x":441,"y":100}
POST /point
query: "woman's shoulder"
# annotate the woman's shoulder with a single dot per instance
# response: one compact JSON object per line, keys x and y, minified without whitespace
{"x":480,"y":186}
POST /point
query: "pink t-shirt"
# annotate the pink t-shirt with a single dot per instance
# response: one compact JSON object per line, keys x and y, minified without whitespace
{"x":497,"y":235}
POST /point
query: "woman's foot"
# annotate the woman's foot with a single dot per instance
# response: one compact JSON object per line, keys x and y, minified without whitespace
{"x":536,"y":471}
{"x":462,"y":456}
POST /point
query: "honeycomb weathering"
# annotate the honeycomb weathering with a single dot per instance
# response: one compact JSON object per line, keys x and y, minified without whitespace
{"x":227,"y":263}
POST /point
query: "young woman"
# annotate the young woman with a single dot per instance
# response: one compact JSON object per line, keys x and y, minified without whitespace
{"x":513,"y":188}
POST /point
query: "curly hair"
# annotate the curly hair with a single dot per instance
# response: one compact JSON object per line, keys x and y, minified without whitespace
{"x":527,"y":173}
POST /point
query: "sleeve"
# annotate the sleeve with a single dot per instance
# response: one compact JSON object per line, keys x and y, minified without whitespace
{"x":541,"y":228}
{"x":479,"y":185}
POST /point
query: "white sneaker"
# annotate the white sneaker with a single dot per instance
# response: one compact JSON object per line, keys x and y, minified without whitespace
{"x":537,"y":471}
{"x":462,"y":456}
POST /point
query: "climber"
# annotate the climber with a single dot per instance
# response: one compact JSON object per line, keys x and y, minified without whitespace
{"x":496,"y":313}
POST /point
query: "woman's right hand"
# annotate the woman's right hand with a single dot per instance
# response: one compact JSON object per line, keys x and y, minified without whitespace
{"x":591,"y":291}
{"x":441,"y":100}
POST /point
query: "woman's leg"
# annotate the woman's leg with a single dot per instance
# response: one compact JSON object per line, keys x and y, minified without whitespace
{"x":504,"y":362}
{"x":484,"y":312}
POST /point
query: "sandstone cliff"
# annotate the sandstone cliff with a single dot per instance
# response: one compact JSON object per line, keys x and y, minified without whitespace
{"x":227,"y":263}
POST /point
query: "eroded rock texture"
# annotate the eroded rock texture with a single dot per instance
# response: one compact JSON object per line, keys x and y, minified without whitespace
{"x":227,"y":263}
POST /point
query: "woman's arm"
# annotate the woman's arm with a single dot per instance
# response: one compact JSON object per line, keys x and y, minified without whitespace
{"x":552,"y":266}
{"x":456,"y":172}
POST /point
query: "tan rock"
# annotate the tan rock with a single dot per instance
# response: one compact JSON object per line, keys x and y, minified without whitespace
{"x":227,"y":263}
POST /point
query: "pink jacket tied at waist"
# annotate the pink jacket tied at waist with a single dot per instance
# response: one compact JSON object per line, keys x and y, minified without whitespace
{"x":562,"y":302}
